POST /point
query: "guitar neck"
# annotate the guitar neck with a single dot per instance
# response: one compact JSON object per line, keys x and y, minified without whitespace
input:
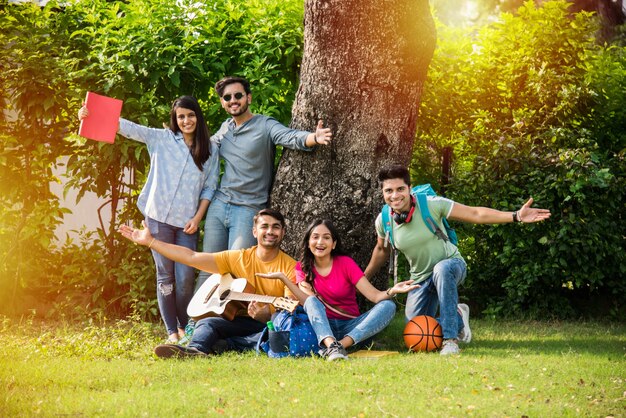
{"x":249,"y":297}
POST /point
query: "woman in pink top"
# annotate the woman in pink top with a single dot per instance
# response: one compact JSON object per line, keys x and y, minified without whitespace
{"x":325,"y":271}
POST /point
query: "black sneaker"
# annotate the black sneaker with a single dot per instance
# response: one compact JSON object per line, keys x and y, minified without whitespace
{"x":334,"y":352}
{"x":177,"y":351}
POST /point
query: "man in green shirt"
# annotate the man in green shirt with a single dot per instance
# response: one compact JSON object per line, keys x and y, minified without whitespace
{"x":435,"y":264}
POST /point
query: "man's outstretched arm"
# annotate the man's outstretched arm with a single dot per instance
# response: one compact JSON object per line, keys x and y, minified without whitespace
{"x":201,"y":261}
{"x":482,"y":215}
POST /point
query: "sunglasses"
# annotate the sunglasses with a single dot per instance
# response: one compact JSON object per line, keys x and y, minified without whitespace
{"x":227,"y":97}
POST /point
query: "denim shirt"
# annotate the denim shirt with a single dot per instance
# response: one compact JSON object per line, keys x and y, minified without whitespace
{"x":175,"y":185}
{"x":248,"y":152}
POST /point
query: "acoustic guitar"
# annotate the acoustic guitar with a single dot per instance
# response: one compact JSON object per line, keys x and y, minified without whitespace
{"x":225,"y":296}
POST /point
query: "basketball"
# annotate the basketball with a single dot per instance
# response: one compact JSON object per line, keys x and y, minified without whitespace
{"x":423,"y":333}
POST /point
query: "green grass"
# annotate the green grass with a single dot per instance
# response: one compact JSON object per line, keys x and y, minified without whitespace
{"x":534,"y":369}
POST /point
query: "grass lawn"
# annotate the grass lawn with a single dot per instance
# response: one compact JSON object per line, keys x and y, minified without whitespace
{"x":516,"y":369}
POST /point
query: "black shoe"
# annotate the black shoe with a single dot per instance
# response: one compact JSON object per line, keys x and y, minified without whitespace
{"x":177,"y":351}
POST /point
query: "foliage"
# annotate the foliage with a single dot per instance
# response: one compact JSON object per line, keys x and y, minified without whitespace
{"x":516,"y":368}
{"x":146,"y":53}
{"x":463,"y":13}
{"x":533,"y":107}
{"x":86,"y":285}
{"x":33,"y":109}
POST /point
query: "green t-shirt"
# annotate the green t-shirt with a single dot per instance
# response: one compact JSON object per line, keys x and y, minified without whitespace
{"x":419,"y":245}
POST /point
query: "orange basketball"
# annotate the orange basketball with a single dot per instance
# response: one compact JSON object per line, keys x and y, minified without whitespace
{"x":423,"y":333}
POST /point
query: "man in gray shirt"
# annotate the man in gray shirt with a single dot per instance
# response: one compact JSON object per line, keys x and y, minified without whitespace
{"x":247,"y":144}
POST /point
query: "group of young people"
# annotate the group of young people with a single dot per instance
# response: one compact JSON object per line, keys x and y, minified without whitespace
{"x":242,"y":237}
{"x":184,"y":177}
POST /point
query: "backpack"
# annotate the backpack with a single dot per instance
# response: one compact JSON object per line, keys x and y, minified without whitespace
{"x":421,"y":192}
{"x":293,"y":336}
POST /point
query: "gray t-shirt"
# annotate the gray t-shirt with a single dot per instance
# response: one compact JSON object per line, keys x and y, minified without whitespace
{"x":248,"y":153}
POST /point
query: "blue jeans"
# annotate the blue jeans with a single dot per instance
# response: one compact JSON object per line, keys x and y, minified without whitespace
{"x":359,"y":329}
{"x":227,"y":227}
{"x":440,"y":290}
{"x":210,"y":330}
{"x":174,"y":280}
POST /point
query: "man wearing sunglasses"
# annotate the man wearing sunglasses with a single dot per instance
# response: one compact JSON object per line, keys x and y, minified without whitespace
{"x":247,"y":144}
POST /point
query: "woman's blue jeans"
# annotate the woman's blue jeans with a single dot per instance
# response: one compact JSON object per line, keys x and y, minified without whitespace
{"x":175,"y":281}
{"x":227,"y":227}
{"x":440,"y":290}
{"x":359,"y":329}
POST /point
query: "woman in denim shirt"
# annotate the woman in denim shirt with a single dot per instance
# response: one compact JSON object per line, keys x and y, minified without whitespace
{"x":176,"y":195}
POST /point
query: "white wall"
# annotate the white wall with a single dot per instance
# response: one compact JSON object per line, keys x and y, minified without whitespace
{"x":84,"y":213}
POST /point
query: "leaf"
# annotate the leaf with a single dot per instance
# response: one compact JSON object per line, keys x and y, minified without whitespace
{"x":175,"y":79}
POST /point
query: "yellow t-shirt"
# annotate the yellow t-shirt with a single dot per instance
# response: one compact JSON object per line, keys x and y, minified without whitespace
{"x":245,"y":264}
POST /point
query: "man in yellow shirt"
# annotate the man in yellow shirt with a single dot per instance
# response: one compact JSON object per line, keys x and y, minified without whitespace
{"x":265,"y":257}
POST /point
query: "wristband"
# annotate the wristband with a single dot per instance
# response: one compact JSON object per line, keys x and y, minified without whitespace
{"x":315,"y":139}
{"x":151,"y":242}
{"x":516,"y":217}
{"x":387,"y":292}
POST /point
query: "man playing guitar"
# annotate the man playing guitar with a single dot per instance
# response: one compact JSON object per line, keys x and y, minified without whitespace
{"x":265,"y":257}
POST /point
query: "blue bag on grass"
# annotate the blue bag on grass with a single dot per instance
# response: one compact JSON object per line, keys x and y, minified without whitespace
{"x":293,"y":336}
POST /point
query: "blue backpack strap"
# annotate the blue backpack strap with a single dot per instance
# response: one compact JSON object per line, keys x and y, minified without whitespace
{"x":387,"y":227}
{"x":263,"y":346}
{"x":393,"y":255}
{"x":428,"y":219}
{"x":451,"y":232}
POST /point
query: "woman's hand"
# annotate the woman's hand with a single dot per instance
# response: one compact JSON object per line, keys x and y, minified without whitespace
{"x":83,"y":113}
{"x":277,"y":275}
{"x":402,"y":287}
{"x":138,"y":236}
{"x":191,"y":226}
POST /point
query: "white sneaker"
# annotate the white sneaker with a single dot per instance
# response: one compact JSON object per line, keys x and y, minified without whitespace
{"x":465,"y":336}
{"x":450,"y":347}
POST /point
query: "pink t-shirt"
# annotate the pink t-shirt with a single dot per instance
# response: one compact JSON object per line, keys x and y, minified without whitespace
{"x":338,"y":287}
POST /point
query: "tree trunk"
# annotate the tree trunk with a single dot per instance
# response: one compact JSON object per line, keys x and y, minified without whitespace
{"x":362,"y":73}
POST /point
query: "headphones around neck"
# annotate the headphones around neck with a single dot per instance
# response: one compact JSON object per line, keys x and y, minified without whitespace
{"x":404,"y":217}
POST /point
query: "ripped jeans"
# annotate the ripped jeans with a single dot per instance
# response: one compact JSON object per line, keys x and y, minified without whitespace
{"x":175,"y":281}
{"x":359,"y":329}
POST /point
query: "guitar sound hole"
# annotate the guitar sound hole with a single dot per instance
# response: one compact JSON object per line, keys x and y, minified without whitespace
{"x":225,"y":294}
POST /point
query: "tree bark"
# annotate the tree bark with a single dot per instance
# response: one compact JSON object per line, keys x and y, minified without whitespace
{"x":362,"y":73}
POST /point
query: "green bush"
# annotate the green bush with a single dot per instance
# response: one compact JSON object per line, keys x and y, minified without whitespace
{"x":532,"y":106}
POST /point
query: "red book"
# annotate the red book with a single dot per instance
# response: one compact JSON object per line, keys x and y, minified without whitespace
{"x":103,"y":119}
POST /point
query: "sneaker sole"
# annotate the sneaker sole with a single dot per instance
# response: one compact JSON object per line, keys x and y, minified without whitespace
{"x":174,"y":351}
{"x":467,"y":332}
